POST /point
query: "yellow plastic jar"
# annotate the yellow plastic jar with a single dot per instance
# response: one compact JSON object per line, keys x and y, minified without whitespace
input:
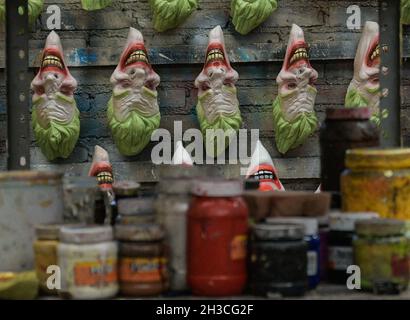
{"x":377,"y":180}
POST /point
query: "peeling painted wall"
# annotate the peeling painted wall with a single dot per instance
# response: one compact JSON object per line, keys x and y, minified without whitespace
{"x":93,"y":42}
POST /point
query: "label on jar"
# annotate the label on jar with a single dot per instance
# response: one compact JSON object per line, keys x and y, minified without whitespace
{"x":312,"y":263}
{"x":340,"y":258}
{"x":93,"y":273}
{"x":142,"y":269}
{"x":238,"y":247}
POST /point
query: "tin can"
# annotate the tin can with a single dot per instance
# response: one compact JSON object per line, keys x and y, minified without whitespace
{"x":343,"y":129}
{"x":217,"y":238}
{"x":377,"y":180}
{"x":382,"y":251}
{"x":27,"y":198}
{"x":278,"y":259}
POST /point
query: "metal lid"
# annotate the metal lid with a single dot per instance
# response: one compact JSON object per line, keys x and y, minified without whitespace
{"x":30,"y":175}
{"x":141,"y":232}
{"x":342,"y":221}
{"x":52,"y":231}
{"x":348,"y":113}
{"x":310,"y":225}
{"x":217,"y":187}
{"x":175,"y":186}
{"x":380,"y":227}
{"x":377,"y":158}
{"x":278,"y":231}
{"x":134,"y":206}
{"x":126,"y":188}
{"x":86,"y":234}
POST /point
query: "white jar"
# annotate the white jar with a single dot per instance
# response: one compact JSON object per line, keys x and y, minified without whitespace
{"x":87,"y":258}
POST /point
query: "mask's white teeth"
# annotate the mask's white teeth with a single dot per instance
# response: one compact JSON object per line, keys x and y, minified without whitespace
{"x":52,"y":61}
{"x":299,"y":54}
{"x":376,"y":53}
{"x":215,"y":55}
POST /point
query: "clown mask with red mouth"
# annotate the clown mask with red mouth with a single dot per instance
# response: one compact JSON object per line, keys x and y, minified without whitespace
{"x":364,"y":89}
{"x":101,"y":168}
{"x":294,"y":118}
{"x":263,"y":170}
{"x":55,"y":116}
{"x":133,"y":111}
{"x":218,"y":106}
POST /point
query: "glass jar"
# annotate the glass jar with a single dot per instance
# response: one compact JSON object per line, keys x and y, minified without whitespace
{"x":340,"y":243}
{"x":343,"y":129}
{"x":377,"y":180}
{"x":311,"y":236}
{"x":217,"y":238}
{"x":143,"y":260}
{"x":382,"y":251}
{"x":87,"y":257}
{"x":172,"y":206}
{"x":278,"y":260}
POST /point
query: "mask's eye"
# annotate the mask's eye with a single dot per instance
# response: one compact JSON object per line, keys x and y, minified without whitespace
{"x":291,"y":86}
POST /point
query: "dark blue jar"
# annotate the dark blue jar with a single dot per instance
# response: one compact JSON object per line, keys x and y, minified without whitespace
{"x":312,"y":238}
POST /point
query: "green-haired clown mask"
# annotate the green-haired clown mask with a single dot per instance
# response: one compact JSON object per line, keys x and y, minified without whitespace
{"x":248,"y":14}
{"x":294,"y":118}
{"x":169,"y":14}
{"x":405,"y":11}
{"x":55,"y":117}
{"x":95,"y":4}
{"x":34,"y":9}
{"x":364,"y":89}
{"x":218,"y":105}
{"x":133,"y":111}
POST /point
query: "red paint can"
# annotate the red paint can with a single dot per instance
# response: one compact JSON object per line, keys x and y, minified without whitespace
{"x":217,"y":238}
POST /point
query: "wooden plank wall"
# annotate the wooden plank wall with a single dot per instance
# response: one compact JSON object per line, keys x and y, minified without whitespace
{"x":93,"y":42}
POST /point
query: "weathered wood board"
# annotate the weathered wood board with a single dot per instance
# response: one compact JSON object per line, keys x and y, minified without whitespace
{"x":93,"y":42}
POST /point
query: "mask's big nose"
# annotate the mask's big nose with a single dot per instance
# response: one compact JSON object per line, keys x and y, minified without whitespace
{"x":217,"y":76}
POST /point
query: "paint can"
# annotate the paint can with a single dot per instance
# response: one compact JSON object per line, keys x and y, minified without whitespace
{"x":27,"y":198}
{"x":278,"y":260}
{"x":382,"y":252}
{"x":343,"y":129}
{"x":377,"y":180}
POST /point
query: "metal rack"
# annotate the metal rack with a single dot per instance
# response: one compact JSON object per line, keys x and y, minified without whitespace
{"x":18,"y":116}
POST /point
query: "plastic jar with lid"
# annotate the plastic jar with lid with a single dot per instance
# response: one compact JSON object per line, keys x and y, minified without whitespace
{"x":135,"y":210}
{"x":382,"y":251}
{"x":377,"y":180}
{"x":171,"y":207}
{"x":311,"y":228}
{"x":278,"y":259}
{"x":340,"y":243}
{"x":45,"y":252}
{"x":217,"y":238}
{"x":142,"y":260}
{"x":87,"y":257}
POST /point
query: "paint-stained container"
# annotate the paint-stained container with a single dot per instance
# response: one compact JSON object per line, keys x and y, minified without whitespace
{"x":142,"y":260}
{"x":80,"y":197}
{"x":27,"y":198}
{"x":311,"y":236}
{"x":45,"y":253}
{"x":377,"y":180}
{"x":278,"y":260}
{"x":382,"y":251}
{"x":122,"y":190}
{"x":343,"y":129}
{"x":172,"y":209}
{"x":135,"y":210}
{"x":340,"y":243}
{"x":87,"y":257}
{"x":217,"y":238}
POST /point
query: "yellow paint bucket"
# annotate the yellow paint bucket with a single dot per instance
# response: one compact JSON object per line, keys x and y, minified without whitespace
{"x":377,"y":180}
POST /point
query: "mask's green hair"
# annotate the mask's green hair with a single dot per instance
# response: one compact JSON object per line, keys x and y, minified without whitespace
{"x":170,"y":14}
{"x":132,"y":135}
{"x":91,"y":5}
{"x":34,"y":9}
{"x":405,"y":11}
{"x":289,"y":135}
{"x":248,"y":14}
{"x":58,"y":140}
{"x":229,"y":124}
{"x":354,"y":99}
